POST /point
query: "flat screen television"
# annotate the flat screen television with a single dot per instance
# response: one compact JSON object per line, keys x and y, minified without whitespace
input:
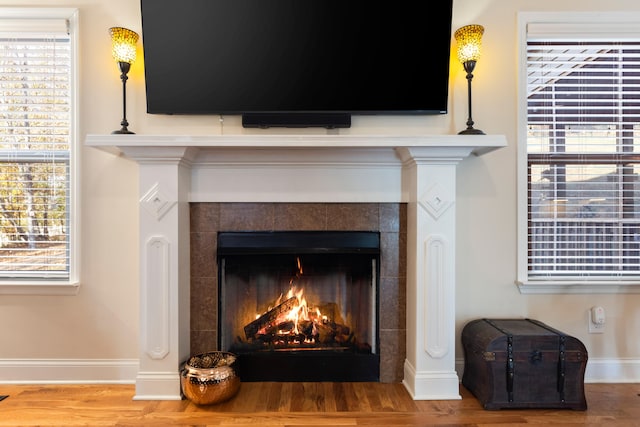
{"x":296,"y":62}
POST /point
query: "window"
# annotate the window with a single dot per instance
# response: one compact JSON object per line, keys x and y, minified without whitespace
{"x":37,"y":150}
{"x":580,"y":209}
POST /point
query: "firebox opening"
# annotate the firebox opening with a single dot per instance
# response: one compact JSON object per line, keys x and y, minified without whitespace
{"x":300,"y":306}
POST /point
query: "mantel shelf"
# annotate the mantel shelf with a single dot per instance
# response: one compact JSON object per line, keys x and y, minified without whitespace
{"x":477,"y":144}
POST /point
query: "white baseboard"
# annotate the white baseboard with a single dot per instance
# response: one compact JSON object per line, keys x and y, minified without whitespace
{"x":598,"y":370}
{"x":612,"y":371}
{"x":125,"y":371}
{"x":68,"y":371}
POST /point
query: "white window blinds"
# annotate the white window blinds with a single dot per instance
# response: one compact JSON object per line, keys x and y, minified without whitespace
{"x":35,"y":148}
{"x":583,"y":153}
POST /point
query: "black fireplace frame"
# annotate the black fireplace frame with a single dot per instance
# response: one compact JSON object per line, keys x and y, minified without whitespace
{"x":301,"y":365}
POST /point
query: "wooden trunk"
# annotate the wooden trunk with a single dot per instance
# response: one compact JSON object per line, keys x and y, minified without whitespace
{"x":523,"y":363}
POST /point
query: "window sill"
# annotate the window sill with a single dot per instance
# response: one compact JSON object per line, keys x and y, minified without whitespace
{"x":39,"y":288}
{"x":570,"y":287}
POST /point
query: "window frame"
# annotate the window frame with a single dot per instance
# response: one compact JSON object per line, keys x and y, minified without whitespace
{"x":600,"y":22}
{"x":70,"y":286}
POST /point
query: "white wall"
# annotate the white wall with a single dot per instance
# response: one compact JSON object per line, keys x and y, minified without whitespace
{"x":101,"y":322}
{"x":487,"y":205}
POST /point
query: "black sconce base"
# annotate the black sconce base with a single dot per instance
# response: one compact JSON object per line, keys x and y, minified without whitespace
{"x":122,"y":131}
{"x":471,"y":131}
{"x":124,"y":69}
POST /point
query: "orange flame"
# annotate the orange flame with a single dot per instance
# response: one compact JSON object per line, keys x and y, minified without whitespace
{"x":298,"y":313}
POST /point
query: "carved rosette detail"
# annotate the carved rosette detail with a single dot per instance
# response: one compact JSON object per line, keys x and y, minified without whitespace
{"x":156,"y":202}
{"x":436,"y":201}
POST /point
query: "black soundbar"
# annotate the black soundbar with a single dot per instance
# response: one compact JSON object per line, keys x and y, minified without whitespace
{"x":296,"y":120}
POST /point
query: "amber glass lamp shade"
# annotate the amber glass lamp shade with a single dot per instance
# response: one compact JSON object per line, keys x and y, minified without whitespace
{"x":469,"y":40}
{"x":123,"y":44}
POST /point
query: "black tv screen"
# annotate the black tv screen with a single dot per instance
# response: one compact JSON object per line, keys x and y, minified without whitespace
{"x":296,"y":58}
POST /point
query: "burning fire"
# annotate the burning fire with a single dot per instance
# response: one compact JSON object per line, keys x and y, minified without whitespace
{"x":293,"y":323}
{"x":299,"y":317}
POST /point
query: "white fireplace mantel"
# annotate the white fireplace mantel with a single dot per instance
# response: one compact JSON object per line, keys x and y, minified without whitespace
{"x":417,"y":170}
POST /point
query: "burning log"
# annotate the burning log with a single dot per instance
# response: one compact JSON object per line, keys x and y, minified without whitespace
{"x":306,"y":328}
{"x":293,"y":325}
{"x":268,"y":319}
{"x":331,"y":333}
{"x":275,"y":329}
{"x":326,"y":334}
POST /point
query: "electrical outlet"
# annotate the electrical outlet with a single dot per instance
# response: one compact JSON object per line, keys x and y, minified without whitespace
{"x":596,"y":320}
{"x":595,"y":328}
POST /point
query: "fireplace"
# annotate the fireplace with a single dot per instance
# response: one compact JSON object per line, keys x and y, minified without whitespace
{"x":300,"y":305}
{"x":387,"y":221}
{"x":176,"y":171}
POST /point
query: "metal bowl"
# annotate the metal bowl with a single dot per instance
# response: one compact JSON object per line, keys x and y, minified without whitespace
{"x":210,"y":378}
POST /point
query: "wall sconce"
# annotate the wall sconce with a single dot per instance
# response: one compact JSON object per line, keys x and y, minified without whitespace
{"x":469,"y":40}
{"x":123,"y":49}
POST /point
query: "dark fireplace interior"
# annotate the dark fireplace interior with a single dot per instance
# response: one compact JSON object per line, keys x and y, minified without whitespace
{"x":300,"y":305}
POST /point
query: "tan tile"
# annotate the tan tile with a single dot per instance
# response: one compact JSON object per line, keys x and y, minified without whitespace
{"x":300,"y":216}
{"x":392,"y":355}
{"x":203,"y":341}
{"x":393,"y":302}
{"x":204,"y":303}
{"x":391,"y":255}
{"x":204,"y":216}
{"x":203,"y":254}
{"x":246,"y":216}
{"x":390,"y":217}
{"x":353,"y":216}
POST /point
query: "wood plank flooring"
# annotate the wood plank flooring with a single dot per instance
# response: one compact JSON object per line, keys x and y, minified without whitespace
{"x":298,"y":404}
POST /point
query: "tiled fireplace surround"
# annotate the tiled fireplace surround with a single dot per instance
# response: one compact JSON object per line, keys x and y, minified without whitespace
{"x":403,"y":186}
{"x":388,"y":218}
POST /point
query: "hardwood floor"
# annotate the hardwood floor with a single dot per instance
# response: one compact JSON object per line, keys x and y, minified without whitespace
{"x":298,"y":404}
